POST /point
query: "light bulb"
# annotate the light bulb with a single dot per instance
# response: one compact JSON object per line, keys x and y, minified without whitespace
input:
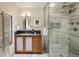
{"x":28,"y":14}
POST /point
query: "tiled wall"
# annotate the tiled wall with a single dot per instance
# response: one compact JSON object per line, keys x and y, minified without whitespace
{"x":74,"y":28}
{"x":58,"y":31}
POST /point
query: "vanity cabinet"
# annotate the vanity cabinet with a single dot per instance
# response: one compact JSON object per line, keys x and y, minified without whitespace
{"x":28,"y":44}
{"x":36,"y":44}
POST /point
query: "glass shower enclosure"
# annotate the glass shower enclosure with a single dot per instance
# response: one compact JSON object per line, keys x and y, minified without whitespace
{"x":56,"y":20}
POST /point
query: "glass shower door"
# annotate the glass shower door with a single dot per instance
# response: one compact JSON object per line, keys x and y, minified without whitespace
{"x":58,"y":30}
{"x":46,"y":40}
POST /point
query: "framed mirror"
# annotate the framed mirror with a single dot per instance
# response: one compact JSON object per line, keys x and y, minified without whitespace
{"x":37,"y":22}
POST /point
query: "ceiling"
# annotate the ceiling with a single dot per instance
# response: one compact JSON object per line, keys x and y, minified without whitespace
{"x":30,"y":4}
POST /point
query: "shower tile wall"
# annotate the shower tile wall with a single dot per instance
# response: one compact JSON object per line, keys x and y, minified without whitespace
{"x":74,"y":27}
{"x":58,"y":31}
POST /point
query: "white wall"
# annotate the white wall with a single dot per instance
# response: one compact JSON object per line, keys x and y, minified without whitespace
{"x":11,"y":9}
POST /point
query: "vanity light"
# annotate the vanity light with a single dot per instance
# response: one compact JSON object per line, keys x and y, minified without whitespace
{"x":52,"y":4}
{"x":28,"y":14}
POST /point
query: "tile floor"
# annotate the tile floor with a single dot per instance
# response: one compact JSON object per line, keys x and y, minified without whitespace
{"x":30,"y":55}
{"x":12,"y":54}
{"x":72,"y":54}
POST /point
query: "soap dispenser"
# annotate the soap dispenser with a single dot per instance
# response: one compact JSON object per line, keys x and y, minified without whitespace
{"x":32,"y":31}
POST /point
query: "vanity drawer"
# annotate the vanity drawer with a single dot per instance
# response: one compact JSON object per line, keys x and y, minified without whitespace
{"x":36,"y":41}
{"x":36,"y":38}
{"x":36,"y":44}
{"x":37,"y":49}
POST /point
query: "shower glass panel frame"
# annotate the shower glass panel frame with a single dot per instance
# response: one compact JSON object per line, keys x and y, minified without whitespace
{"x":46,"y":40}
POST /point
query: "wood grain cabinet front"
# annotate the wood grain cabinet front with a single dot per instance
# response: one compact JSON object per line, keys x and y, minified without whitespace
{"x":37,"y":44}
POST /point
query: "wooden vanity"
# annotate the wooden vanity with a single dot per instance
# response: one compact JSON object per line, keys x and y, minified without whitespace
{"x":28,"y":44}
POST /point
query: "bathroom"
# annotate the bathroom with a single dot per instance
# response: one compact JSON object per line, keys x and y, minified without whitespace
{"x":39,"y":29}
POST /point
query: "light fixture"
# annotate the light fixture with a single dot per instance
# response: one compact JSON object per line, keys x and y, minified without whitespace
{"x":28,"y":14}
{"x":51,"y":4}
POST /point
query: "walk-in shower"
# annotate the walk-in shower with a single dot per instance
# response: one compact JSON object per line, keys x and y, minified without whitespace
{"x":61,"y":23}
